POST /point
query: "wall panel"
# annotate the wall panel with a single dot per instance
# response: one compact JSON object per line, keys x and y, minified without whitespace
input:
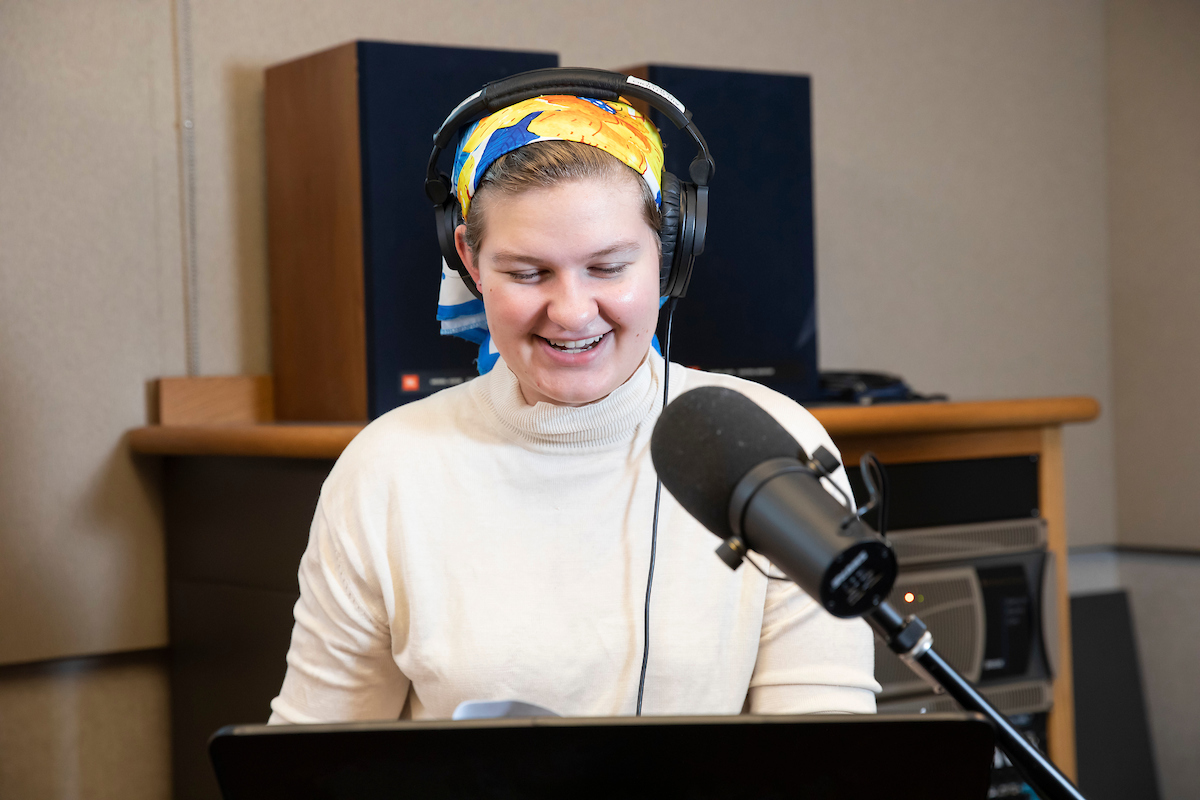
{"x":1154,"y":208}
{"x":93,"y":728}
{"x":90,"y":309}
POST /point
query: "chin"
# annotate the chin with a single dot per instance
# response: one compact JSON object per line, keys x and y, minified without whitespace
{"x":573,"y":384}
{"x":572,"y":391}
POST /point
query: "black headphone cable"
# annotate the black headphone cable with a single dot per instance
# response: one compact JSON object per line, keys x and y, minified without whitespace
{"x":657,"y":498}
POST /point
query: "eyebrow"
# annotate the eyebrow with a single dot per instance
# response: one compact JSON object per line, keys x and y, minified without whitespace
{"x":621,"y":247}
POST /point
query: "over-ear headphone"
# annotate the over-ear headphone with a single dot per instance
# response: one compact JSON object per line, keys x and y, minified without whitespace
{"x":684,"y":204}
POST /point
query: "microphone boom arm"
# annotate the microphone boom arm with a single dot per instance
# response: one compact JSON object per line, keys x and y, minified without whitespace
{"x":911,"y":640}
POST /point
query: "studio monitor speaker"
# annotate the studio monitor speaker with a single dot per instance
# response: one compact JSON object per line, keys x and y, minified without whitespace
{"x":750,"y":308}
{"x":354,"y":260}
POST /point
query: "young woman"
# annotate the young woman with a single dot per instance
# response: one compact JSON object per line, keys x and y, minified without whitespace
{"x":492,"y":541}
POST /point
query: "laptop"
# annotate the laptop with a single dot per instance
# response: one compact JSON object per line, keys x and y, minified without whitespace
{"x":925,"y":757}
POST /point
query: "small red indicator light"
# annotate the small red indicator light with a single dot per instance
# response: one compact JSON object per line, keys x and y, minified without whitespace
{"x":909,"y":597}
{"x":410,"y":383}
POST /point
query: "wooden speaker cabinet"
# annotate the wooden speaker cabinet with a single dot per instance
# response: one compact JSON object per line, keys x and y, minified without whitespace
{"x":354,"y":261}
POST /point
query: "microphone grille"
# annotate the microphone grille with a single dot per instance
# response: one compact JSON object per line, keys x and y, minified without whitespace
{"x":706,"y":440}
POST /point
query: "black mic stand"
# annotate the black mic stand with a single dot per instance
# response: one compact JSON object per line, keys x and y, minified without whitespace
{"x":911,"y":640}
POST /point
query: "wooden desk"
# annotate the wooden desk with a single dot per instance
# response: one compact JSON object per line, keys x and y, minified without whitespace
{"x":901,"y":433}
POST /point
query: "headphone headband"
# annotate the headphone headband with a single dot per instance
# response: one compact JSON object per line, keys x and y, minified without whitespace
{"x":578,"y":81}
{"x":684,"y":206}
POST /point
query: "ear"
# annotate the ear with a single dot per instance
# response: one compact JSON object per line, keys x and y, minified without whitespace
{"x":464,"y":253}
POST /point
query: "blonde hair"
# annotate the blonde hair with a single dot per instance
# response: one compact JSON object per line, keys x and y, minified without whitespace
{"x":544,"y":164}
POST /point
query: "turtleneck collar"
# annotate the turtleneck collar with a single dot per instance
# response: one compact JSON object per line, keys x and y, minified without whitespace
{"x":551,"y":428}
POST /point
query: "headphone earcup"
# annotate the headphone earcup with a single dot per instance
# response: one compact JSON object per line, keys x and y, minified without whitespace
{"x":669,"y":234}
{"x":447,"y":218}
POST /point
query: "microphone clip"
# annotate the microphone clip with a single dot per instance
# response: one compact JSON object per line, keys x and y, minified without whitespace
{"x":732,"y":551}
{"x":822,"y":462}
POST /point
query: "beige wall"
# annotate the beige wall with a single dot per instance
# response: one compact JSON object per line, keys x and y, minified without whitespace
{"x":85,"y":728}
{"x":90,"y":308}
{"x":1154,"y":234}
{"x":960,"y":176}
{"x":1154,"y":208}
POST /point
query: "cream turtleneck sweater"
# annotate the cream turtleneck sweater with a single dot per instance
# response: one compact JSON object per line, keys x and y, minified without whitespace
{"x":469,"y":546}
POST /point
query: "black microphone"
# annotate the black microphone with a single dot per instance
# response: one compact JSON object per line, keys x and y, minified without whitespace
{"x":745,"y":478}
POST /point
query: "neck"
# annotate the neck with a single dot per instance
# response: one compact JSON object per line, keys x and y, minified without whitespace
{"x":550,"y":427}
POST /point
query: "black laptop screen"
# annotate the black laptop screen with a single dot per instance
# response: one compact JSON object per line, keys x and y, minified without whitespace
{"x":941,"y":756}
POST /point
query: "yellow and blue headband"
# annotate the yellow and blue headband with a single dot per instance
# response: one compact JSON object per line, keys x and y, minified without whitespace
{"x":614,"y":127}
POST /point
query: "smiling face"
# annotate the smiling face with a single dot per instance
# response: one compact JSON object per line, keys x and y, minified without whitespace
{"x":569,"y":277}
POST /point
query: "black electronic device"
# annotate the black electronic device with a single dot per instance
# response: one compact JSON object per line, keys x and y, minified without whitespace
{"x":973,"y":555}
{"x":936,"y":757}
{"x":868,"y":388}
{"x":987,"y":592}
{"x":751,"y":308}
{"x":1112,"y":733}
{"x":684,"y":204}
{"x":941,"y":494}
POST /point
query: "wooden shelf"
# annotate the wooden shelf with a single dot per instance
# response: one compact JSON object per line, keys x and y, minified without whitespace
{"x":846,"y":424}
{"x":904,"y":432}
{"x":884,"y":420}
{"x":281,"y":440}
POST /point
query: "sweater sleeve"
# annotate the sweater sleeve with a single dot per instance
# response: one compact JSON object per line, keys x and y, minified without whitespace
{"x":339,"y":666}
{"x":808,"y":660}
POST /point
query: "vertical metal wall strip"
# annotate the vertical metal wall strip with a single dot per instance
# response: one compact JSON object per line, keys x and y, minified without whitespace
{"x":187,"y":194}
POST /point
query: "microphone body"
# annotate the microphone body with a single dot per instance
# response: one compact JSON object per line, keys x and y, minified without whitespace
{"x":780,"y":509}
{"x":740,"y":473}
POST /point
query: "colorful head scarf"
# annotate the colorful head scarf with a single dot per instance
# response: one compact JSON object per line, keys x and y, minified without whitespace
{"x":614,"y":127}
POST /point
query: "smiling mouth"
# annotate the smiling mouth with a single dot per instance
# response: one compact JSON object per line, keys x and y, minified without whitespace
{"x":576,"y":346}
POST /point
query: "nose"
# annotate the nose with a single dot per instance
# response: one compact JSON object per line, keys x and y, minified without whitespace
{"x":571,"y":304}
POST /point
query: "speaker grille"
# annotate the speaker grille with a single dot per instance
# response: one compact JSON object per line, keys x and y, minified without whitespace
{"x":950,"y":602}
{"x":961,"y":542}
{"x":1029,"y":697}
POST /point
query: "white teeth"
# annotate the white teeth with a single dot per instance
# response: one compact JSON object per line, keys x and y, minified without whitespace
{"x":575,"y":346}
